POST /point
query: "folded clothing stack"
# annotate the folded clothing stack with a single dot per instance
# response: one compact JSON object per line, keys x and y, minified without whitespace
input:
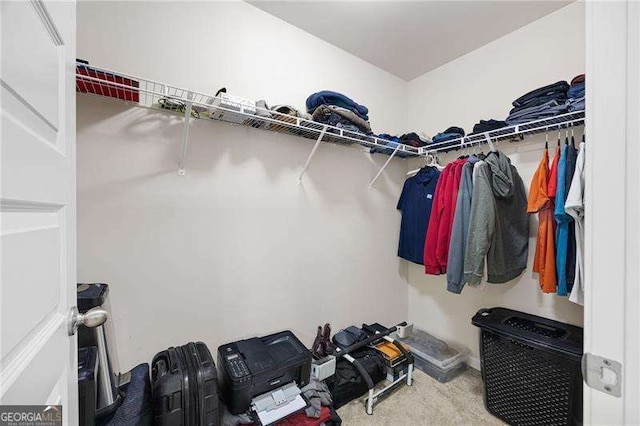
{"x":281,"y":113}
{"x":414,"y":139}
{"x":288,"y":110}
{"x":411,"y":139}
{"x":338,"y":110}
{"x":576,"y":94}
{"x":540,"y":103}
{"x":342,"y":118}
{"x":451,"y":133}
{"x":487,"y":125}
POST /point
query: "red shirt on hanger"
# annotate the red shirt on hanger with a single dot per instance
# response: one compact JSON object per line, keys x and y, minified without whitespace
{"x":438,"y":237}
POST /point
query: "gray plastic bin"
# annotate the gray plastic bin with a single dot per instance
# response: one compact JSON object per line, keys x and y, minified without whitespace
{"x":435,"y":357}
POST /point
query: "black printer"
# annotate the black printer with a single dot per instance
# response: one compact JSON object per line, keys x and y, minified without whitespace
{"x":252,"y":367}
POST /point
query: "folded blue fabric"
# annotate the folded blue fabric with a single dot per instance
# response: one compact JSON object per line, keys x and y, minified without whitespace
{"x":392,"y":143}
{"x":551,"y":89}
{"x":576,"y":91}
{"x":334,"y":98}
{"x":537,"y":114}
{"x":576,"y":104}
{"x":441,"y":137}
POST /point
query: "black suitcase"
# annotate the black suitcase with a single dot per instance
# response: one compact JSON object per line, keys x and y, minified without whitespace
{"x":348,"y":384}
{"x":185,"y":387}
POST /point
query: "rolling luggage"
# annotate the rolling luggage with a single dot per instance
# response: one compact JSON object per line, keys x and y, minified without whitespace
{"x":185,"y":387}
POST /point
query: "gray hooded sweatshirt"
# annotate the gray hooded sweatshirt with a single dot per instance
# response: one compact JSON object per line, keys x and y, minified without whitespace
{"x":455,"y":263}
{"x":499,"y":223}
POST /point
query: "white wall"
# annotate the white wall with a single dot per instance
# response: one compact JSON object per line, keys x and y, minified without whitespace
{"x":236,"y":247}
{"x":482,"y":85}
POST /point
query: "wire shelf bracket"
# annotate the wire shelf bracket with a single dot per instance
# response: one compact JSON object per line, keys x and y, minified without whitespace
{"x":384,"y":166}
{"x":311,"y":154}
{"x":185,"y":135}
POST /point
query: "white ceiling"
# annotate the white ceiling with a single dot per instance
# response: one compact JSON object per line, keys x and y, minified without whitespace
{"x":408,"y":38}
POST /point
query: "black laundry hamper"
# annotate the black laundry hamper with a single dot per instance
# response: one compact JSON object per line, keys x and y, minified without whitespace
{"x":530,"y":368}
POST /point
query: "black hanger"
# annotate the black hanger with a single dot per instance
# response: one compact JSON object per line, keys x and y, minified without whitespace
{"x":559,"y":135}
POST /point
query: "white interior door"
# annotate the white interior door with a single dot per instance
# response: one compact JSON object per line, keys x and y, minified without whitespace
{"x":612,"y":231}
{"x":37,"y":205}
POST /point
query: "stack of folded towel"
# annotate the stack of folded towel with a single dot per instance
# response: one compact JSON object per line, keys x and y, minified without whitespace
{"x":540,"y":103}
{"x":338,"y":110}
{"x":576,"y":94}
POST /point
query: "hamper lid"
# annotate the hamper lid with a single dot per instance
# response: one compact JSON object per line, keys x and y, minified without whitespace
{"x":531,"y":328}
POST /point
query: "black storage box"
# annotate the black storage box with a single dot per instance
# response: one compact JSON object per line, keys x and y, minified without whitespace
{"x":252,"y":367}
{"x":185,"y":387}
{"x":530,"y":368}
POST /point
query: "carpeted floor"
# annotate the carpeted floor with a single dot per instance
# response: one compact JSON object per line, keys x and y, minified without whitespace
{"x":426,"y":402}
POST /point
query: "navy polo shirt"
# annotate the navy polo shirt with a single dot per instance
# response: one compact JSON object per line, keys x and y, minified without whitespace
{"x":415,"y":204}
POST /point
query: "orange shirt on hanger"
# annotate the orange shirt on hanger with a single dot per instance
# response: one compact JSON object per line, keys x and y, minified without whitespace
{"x":552,"y":185}
{"x":544,"y":261}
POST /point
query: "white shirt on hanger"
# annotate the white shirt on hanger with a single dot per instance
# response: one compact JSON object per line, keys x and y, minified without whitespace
{"x":574,"y":206}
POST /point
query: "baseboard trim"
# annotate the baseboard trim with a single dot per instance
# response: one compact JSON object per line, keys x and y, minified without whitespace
{"x":474,"y":362}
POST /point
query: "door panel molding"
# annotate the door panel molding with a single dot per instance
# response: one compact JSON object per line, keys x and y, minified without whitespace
{"x":9,"y":205}
{"x":21,"y":356}
{"x":48,"y":23}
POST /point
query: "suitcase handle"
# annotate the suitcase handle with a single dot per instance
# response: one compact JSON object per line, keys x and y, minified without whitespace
{"x":161,"y":368}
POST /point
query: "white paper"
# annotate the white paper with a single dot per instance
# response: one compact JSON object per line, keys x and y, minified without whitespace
{"x":268,"y":417}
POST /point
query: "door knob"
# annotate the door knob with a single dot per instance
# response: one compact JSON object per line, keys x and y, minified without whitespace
{"x":94,"y":317}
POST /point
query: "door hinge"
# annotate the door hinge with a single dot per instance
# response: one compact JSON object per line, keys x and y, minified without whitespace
{"x":602,"y":374}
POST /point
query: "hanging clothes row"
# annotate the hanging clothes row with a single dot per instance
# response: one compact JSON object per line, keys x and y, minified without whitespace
{"x":557,"y":195}
{"x":477,"y":210}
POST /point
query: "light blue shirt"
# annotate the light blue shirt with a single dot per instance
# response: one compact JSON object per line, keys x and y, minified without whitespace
{"x":562,"y":219}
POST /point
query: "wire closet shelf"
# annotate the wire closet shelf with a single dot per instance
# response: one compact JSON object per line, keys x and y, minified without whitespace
{"x":513,"y":132}
{"x":191,"y":104}
{"x":154,"y":94}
